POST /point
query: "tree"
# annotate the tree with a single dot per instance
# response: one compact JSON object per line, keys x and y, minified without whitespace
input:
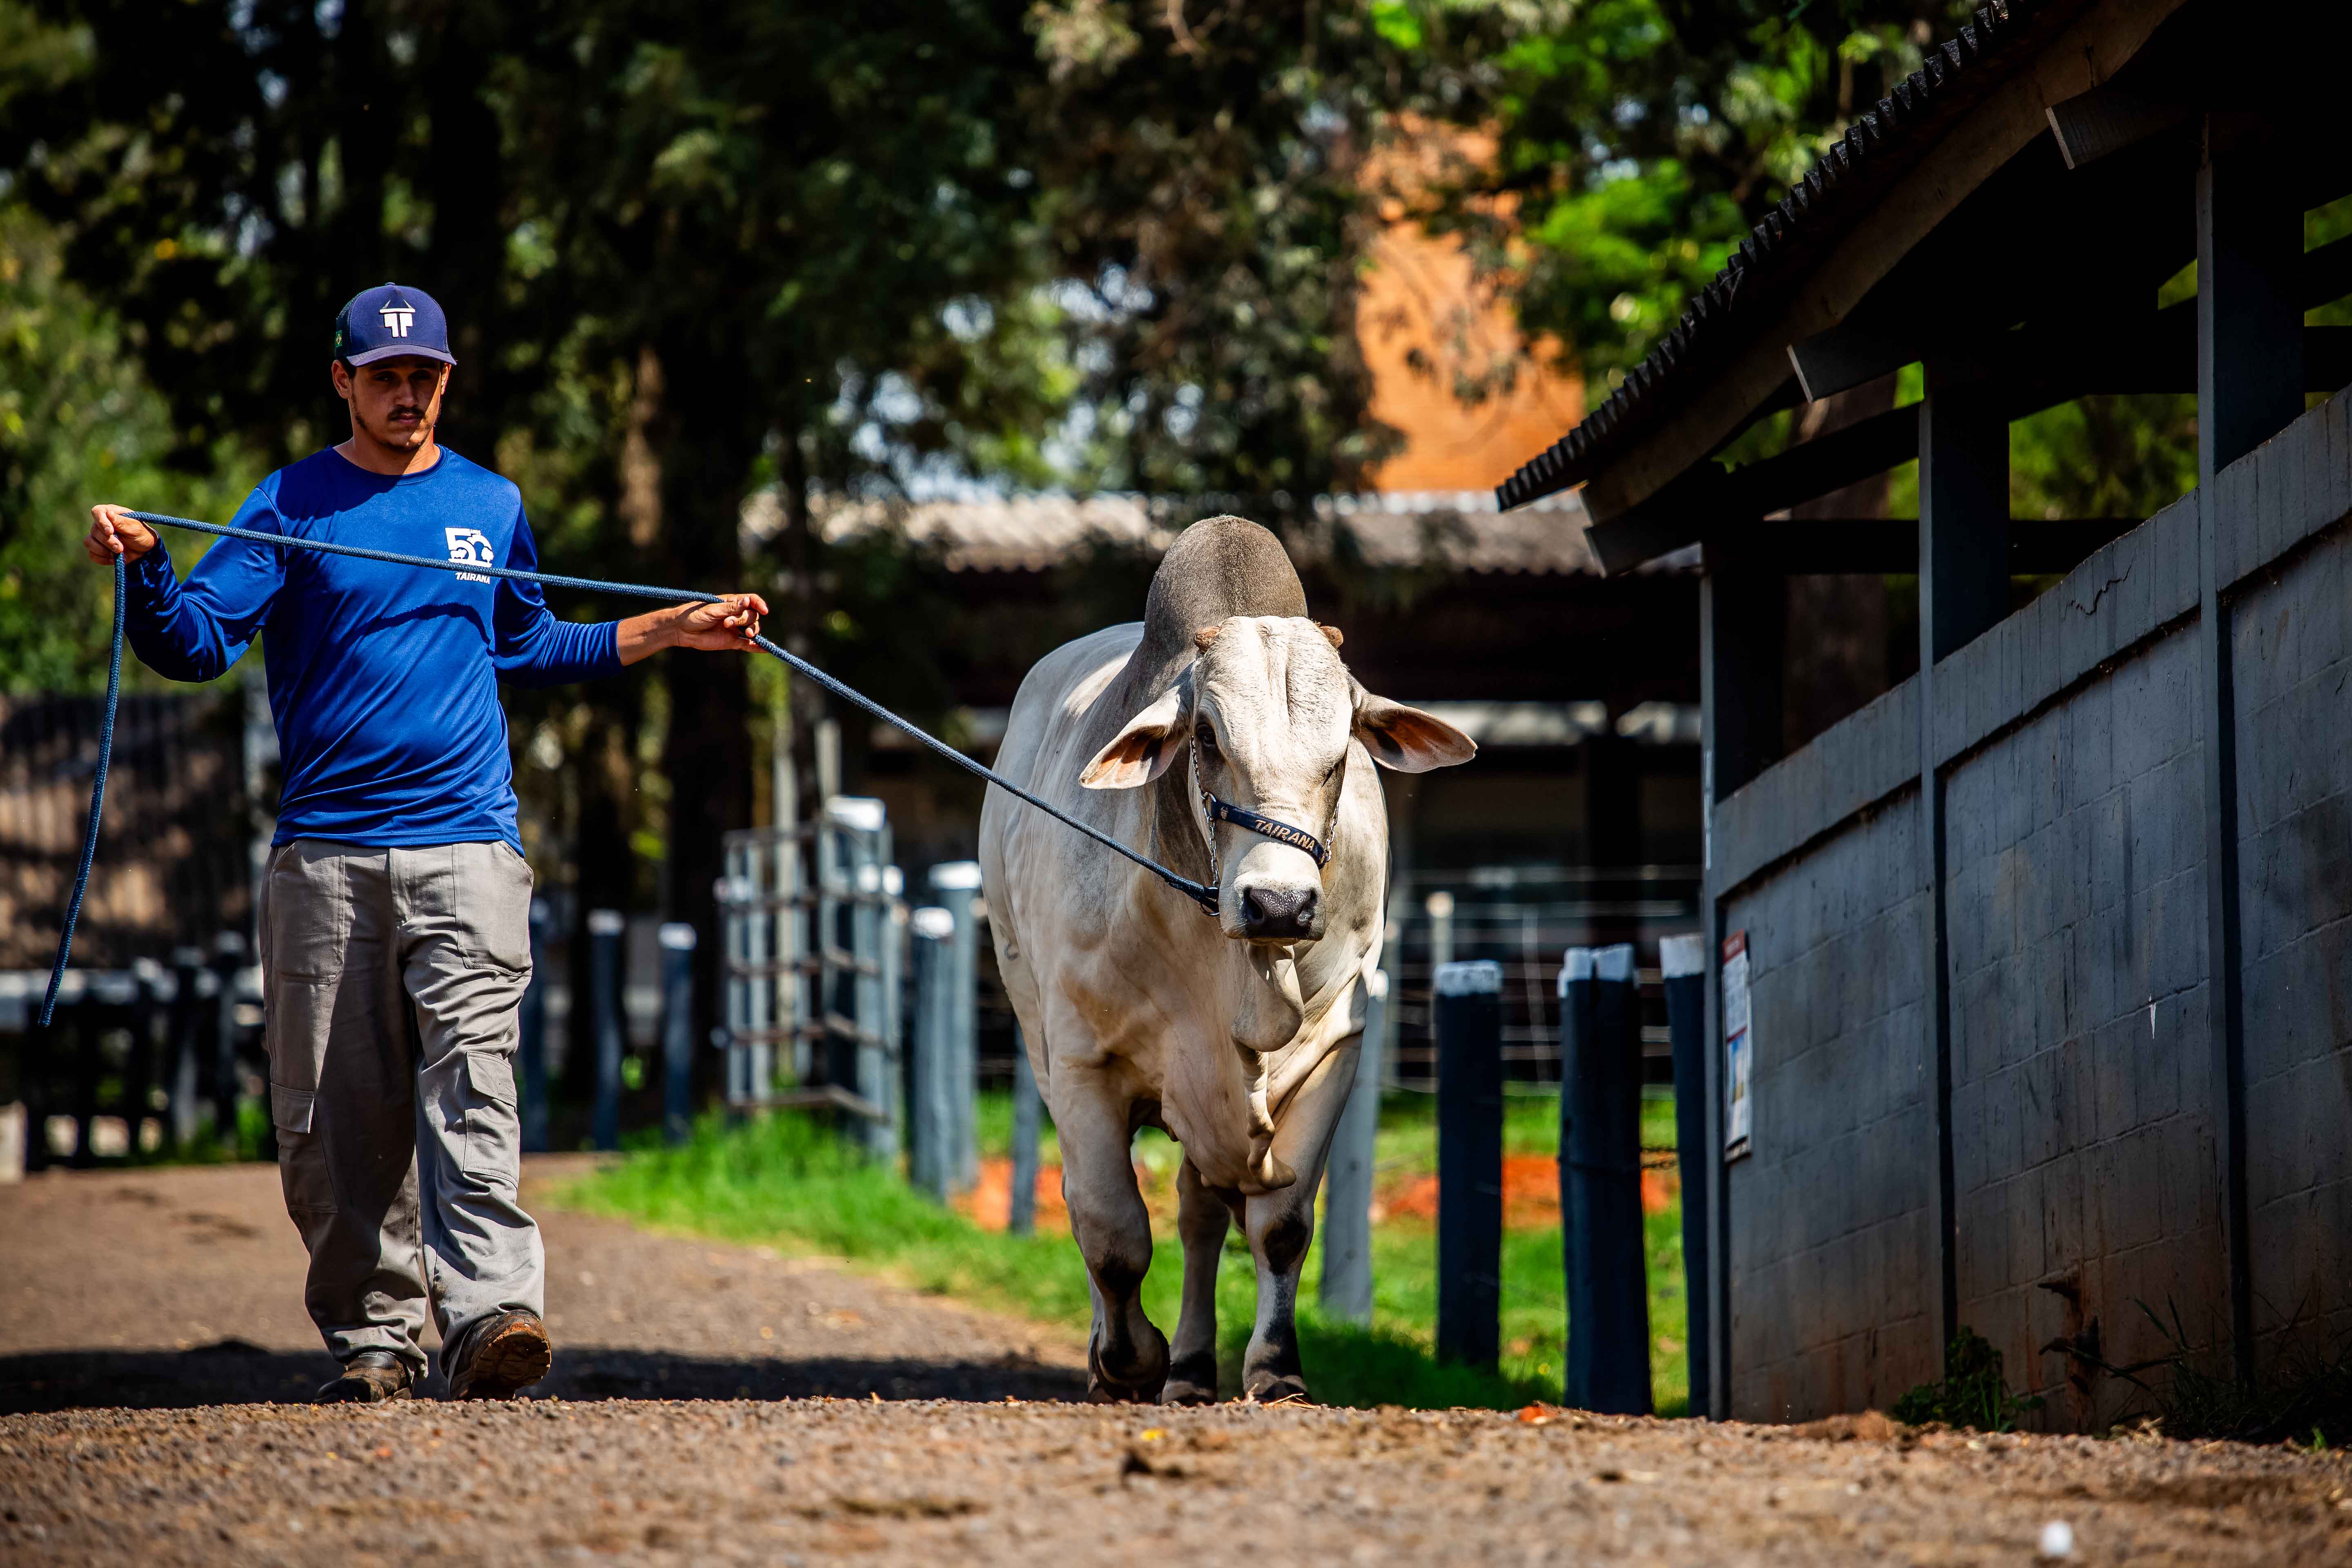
{"x":1640,"y":140}
{"x":686,"y":249}
{"x":1204,"y":188}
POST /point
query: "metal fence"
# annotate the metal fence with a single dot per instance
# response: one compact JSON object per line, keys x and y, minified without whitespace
{"x":145,"y":1061}
{"x":814,"y":966}
{"x":1523,"y":918}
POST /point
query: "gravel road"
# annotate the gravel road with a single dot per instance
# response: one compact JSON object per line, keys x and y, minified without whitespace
{"x":716,"y":1402}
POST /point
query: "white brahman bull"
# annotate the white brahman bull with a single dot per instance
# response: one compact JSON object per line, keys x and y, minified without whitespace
{"x":1238,"y":1034}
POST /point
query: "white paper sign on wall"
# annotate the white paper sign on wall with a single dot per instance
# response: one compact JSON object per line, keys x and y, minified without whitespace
{"x":1739,"y":1049}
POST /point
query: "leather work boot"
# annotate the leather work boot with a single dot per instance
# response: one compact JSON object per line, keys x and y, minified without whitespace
{"x":506,"y":1352}
{"x":368,"y":1378}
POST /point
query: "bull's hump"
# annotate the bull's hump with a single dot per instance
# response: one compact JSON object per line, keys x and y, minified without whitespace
{"x":1218,"y":568}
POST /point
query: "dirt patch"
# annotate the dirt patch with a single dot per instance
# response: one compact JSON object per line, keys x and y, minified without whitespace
{"x":721,"y":1402}
{"x":924,"y":1483}
{"x":989,"y":1205}
{"x":1531,"y":1194}
{"x":185,"y":1288}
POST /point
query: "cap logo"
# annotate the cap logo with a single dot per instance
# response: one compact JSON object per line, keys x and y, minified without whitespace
{"x":398,"y":319}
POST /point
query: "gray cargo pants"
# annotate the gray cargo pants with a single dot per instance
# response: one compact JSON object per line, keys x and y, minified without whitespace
{"x":392,"y":979}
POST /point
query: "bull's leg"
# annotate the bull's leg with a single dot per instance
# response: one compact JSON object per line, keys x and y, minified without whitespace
{"x":1201,"y":1222}
{"x":1282,"y":1223}
{"x":1127,"y":1358}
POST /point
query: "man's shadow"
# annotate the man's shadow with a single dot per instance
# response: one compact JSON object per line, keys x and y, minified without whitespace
{"x":234,"y":1373}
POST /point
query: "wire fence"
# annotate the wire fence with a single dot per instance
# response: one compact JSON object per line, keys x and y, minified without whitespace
{"x":1521,"y":916}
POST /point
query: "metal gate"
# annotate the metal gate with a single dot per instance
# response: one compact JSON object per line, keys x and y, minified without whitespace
{"x":813,"y":960}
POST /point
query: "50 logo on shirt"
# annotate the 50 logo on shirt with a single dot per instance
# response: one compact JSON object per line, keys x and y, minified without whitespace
{"x":470,"y":546}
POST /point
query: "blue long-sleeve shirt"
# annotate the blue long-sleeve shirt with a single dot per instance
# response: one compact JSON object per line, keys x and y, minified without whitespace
{"x":383,"y":678}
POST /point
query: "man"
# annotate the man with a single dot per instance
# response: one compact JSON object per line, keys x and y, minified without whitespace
{"x":395,"y":916}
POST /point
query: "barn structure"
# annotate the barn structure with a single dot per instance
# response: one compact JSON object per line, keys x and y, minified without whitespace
{"x":2045,"y":946}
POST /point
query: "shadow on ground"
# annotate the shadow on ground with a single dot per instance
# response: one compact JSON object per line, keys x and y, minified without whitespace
{"x":234,"y":1373}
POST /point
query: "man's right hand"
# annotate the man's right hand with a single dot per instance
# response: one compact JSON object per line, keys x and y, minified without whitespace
{"x":114,"y":531}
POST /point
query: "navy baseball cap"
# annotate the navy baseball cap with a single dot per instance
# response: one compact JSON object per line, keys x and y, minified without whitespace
{"x":390,"y":319}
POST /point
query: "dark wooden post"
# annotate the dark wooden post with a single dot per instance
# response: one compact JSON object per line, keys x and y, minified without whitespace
{"x":1600,"y":1182}
{"x":1682,"y":962}
{"x":1743,"y":632}
{"x":1963,"y":510}
{"x":1963,"y":594}
{"x":1469,"y":1017}
{"x":2249,"y":388}
{"x":1743,"y":637}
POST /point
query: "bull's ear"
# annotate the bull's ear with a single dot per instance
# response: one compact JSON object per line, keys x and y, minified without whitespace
{"x":1407,"y":738}
{"x":1142,"y":750}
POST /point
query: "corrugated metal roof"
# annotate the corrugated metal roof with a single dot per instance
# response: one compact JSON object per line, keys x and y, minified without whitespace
{"x":1461,"y":530}
{"x":1854,"y":170}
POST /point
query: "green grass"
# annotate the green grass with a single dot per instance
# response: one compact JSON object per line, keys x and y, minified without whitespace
{"x":788,"y":1180}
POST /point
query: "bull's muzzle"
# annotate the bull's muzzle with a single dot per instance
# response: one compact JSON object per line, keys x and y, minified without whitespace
{"x":1278,"y":914}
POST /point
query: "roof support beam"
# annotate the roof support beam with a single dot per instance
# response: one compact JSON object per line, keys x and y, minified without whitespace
{"x":2157,"y":353}
{"x":1854,"y":352}
{"x":2107,"y":120}
{"x":1882,"y":546}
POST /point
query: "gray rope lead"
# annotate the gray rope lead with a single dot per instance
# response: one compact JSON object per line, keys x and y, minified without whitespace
{"x":1205,"y":897}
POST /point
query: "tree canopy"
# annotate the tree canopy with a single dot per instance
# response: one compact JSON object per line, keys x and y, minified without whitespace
{"x":692,"y":252}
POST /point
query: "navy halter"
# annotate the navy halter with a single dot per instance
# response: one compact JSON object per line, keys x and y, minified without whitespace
{"x":1248,"y":821}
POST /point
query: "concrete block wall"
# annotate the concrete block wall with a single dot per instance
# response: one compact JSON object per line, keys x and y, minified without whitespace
{"x":2085,"y":1126}
{"x":1832,"y":1262}
{"x":2091,"y":1166}
{"x":2292,"y":658}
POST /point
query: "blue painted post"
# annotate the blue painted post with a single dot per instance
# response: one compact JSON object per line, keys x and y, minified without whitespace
{"x":1601,"y":1182}
{"x":1469,"y":1034}
{"x":605,"y":927}
{"x":1682,"y":960}
{"x":1028,"y":1111}
{"x":931,"y":1130}
{"x":1347,"y":1194}
{"x":678,"y":1032}
{"x":956,"y":885}
{"x":533,"y":1048}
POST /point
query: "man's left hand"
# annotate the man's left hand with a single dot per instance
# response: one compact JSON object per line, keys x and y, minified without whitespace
{"x":718,"y":625}
{"x":728,"y":622}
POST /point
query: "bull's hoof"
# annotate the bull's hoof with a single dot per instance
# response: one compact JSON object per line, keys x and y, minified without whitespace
{"x":1275,"y":1388}
{"x":1139,"y":1384}
{"x":1191,"y":1381}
